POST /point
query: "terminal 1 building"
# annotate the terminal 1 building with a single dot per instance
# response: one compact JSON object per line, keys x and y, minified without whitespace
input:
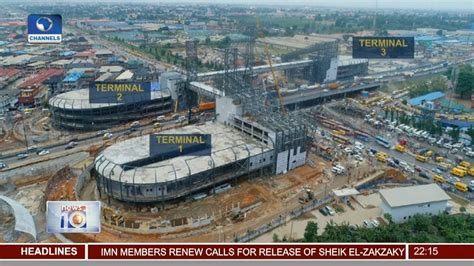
{"x":247,"y":140}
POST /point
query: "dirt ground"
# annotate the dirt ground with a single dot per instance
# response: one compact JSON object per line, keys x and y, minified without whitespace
{"x":295,"y":228}
{"x":277,"y":195}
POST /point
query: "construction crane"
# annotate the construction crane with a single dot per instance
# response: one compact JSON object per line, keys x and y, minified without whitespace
{"x":269,"y":59}
{"x":454,"y":84}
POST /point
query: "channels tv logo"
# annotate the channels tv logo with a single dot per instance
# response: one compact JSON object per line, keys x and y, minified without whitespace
{"x":73,"y":216}
{"x":44,"y":28}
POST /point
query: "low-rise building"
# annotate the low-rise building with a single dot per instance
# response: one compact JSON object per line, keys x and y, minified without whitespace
{"x":31,"y":87}
{"x":405,"y":202}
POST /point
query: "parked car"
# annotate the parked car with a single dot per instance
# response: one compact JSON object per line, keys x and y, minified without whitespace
{"x":436,"y":170}
{"x":375,"y":223}
{"x":367,"y":223}
{"x":324,"y":212}
{"x":424,"y":175}
{"x":3,"y":165}
{"x":330,"y":210}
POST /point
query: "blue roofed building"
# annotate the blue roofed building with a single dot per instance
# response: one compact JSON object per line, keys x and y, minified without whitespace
{"x":71,"y":81}
{"x":428,"y":101}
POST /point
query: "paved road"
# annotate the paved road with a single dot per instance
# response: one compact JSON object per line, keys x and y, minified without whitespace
{"x":87,"y":142}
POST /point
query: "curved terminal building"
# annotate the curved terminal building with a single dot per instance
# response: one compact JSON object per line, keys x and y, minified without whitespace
{"x":72,"y":110}
{"x":126,"y":171}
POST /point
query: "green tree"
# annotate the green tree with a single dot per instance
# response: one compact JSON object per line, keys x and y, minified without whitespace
{"x":455,"y":134}
{"x":470,"y":133}
{"x":275,"y":238}
{"x":311,"y":232}
{"x":388,"y":217}
{"x":465,"y":81}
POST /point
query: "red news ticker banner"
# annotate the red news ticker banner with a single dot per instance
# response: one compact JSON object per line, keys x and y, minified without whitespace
{"x":247,"y":251}
{"x":315,"y":251}
{"x":441,"y":251}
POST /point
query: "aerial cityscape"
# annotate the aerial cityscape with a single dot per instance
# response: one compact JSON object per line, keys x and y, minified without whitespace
{"x":220,"y":123}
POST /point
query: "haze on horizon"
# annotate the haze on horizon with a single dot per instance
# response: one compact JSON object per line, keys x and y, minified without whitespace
{"x":464,"y":5}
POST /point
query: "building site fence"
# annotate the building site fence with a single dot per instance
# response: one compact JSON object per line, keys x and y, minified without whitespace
{"x":280,"y":220}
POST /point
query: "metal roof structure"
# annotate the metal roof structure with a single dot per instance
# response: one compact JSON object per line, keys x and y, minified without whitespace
{"x":73,"y":76}
{"x":79,"y":100}
{"x":345,"y":192}
{"x":127,"y":74}
{"x":413,"y":195}
{"x":427,"y":97}
{"x":23,"y":220}
{"x":228,"y":146}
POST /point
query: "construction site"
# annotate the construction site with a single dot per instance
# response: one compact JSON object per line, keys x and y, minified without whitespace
{"x":276,"y":157}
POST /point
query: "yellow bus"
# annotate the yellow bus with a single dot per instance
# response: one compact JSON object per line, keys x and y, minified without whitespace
{"x":421,"y":158}
{"x":465,"y":164}
{"x":439,"y":179}
{"x":458,"y":172}
{"x":461,"y":186}
{"x":381,"y":156}
{"x":400,"y":148}
{"x":471,"y":171}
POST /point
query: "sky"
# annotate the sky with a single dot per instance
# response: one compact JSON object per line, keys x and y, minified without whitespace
{"x":465,"y":5}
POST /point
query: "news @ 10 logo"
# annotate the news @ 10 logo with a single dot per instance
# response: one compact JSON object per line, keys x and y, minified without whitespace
{"x":44,"y":29}
{"x":73,"y":216}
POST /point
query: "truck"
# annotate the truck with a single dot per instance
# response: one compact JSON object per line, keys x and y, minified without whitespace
{"x":204,"y":106}
{"x":333,"y":86}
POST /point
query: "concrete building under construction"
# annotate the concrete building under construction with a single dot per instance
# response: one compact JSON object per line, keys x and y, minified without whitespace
{"x":73,"y":110}
{"x":250,"y":135}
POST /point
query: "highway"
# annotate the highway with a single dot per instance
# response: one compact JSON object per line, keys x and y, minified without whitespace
{"x":84,"y":142}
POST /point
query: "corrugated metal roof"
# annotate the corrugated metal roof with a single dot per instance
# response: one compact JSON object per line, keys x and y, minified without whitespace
{"x":405,"y":196}
{"x":125,"y":75}
{"x":73,"y":77}
{"x":43,"y":75}
{"x":427,"y":97}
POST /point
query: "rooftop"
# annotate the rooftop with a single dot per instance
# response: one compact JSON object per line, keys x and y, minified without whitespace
{"x":110,"y":69}
{"x":16,"y":60}
{"x":8,"y":72}
{"x":228,"y":145}
{"x":405,"y":196}
{"x":73,"y":77}
{"x":427,"y":97}
{"x":79,"y":99}
{"x":61,"y":62}
{"x":39,"y":78}
{"x":298,"y":41}
{"x":127,"y":74}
